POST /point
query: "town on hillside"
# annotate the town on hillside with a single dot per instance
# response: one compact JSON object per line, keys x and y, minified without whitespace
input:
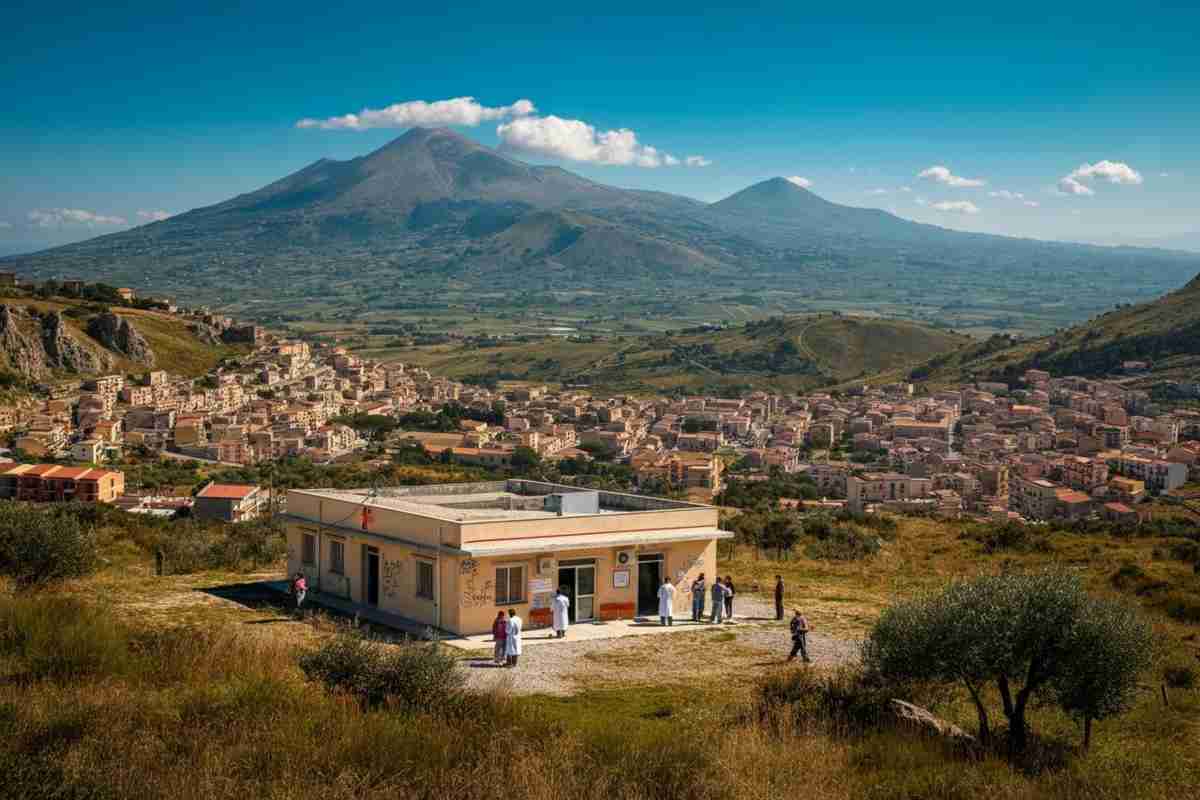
{"x":1049,"y":448}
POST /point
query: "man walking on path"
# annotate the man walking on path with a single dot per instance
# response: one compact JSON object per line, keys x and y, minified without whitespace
{"x":778,"y":598}
{"x":666,"y":602}
{"x":698,"y":588}
{"x":561,"y":604}
{"x":800,"y":631}
{"x":512,"y":642}
{"x":500,"y":637}
{"x":718,"y":600}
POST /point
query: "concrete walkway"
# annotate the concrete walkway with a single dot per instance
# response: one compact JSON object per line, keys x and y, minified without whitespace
{"x":580,"y":632}
{"x":594,"y":631}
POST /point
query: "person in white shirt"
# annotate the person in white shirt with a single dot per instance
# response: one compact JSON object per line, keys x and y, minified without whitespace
{"x":666,"y":603}
{"x":562,"y":605}
{"x":512,"y":644}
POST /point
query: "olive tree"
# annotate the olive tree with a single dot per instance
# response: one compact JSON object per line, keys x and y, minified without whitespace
{"x":1028,"y":636}
{"x":38,"y":546}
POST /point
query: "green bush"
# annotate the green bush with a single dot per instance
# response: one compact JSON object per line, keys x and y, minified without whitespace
{"x":1182,"y":607}
{"x":1008,"y":537}
{"x":1180,"y":676}
{"x":417,"y":677}
{"x":39,"y":546}
{"x":844,"y":543}
{"x":844,"y":701}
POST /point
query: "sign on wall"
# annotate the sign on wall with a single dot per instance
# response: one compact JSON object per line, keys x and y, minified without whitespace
{"x":620,"y":578}
{"x":540,"y":585}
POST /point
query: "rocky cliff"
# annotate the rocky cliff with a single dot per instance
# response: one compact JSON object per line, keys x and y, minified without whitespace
{"x":117,"y":334}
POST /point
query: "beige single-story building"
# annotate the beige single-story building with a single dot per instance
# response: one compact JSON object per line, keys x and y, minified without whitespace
{"x":452,"y":555}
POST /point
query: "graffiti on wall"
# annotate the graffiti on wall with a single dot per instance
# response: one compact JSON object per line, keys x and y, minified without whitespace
{"x":391,"y":578}
{"x":478,"y":595}
{"x":694,"y":564}
{"x":468,"y":566}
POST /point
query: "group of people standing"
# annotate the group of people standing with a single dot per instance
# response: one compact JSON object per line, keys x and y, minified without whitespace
{"x":722,"y":598}
{"x":506,"y":634}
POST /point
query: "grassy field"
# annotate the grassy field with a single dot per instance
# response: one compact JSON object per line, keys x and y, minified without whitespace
{"x":777,"y":354}
{"x":126,"y":684}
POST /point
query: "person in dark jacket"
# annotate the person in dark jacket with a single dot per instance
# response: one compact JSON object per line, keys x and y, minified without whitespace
{"x":800,"y":631}
{"x":778,"y":598}
{"x":728,"y":599}
{"x":500,"y":637}
{"x":699,"y":587}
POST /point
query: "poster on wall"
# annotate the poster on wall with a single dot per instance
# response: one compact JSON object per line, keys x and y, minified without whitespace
{"x":541,"y":600}
{"x":540,"y":585}
{"x":620,"y":578}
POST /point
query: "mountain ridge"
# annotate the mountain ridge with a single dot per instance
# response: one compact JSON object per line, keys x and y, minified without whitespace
{"x":420,"y":217}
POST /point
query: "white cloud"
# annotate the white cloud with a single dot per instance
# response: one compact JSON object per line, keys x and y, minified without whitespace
{"x":1074,"y":183}
{"x":455,"y":111}
{"x":1069,"y":185}
{"x":1005,"y":194}
{"x":1111,"y":171}
{"x":575,"y":140}
{"x":1164,"y":174}
{"x":153,"y":216}
{"x":55,"y":217}
{"x":955,"y":207}
{"x":906,"y":188}
{"x":803,"y":183}
{"x":1032,"y":203}
{"x":877,"y":192}
{"x":943,"y":174}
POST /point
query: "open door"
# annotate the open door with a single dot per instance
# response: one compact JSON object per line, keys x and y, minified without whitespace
{"x":650,"y":572}
{"x":372,"y":576}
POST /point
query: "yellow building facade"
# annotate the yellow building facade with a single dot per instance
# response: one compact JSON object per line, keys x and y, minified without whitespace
{"x":452,"y":556}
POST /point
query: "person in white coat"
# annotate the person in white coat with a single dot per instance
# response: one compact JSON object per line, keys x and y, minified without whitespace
{"x":666,"y":603}
{"x":562,"y":605}
{"x":512,"y":645}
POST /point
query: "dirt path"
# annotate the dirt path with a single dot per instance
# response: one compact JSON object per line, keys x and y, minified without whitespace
{"x":736,"y":652}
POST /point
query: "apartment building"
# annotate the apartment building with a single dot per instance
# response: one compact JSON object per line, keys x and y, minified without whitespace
{"x":884,"y":487}
{"x":53,"y":483}
{"x":230,"y":502}
{"x":1158,"y":475}
{"x":451,"y":556}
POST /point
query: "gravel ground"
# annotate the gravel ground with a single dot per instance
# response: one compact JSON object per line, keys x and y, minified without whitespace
{"x":752,"y":644}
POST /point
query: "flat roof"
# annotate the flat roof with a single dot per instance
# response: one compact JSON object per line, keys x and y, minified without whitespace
{"x":513,"y":499}
{"x":591,"y":541}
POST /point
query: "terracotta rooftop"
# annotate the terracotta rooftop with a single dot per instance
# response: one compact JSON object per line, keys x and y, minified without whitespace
{"x":226,"y":491}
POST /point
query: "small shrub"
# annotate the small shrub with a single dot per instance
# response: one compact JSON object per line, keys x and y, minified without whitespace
{"x":844,"y":543}
{"x":40,"y":546}
{"x":1179,"y":676}
{"x":414,"y":677}
{"x":844,"y":701}
{"x":1182,"y":607}
{"x":1186,"y":551}
{"x":1009,"y":537}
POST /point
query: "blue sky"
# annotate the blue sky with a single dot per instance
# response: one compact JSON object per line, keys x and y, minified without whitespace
{"x":162,"y":107}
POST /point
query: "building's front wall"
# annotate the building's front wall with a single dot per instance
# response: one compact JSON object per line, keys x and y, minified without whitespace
{"x":475,"y":593}
{"x":467,"y":586}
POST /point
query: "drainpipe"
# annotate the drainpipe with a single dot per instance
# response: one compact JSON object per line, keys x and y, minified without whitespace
{"x":437,"y":594}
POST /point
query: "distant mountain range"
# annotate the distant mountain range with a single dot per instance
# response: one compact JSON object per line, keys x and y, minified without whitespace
{"x":435,"y":217}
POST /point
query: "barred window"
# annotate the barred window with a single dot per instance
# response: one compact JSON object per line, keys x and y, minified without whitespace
{"x":337,"y":557}
{"x":425,"y":579}
{"x":308,"y":550}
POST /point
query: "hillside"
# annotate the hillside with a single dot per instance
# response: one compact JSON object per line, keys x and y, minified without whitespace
{"x":1164,"y":332}
{"x":434,"y":219}
{"x":777,"y":354}
{"x":45,"y":339}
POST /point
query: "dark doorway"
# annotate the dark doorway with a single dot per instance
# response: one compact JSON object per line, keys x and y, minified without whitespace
{"x":566,"y":582}
{"x":372,"y":576}
{"x":649,"y":579}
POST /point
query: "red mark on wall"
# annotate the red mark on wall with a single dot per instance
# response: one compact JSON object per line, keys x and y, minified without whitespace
{"x":367,"y":518}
